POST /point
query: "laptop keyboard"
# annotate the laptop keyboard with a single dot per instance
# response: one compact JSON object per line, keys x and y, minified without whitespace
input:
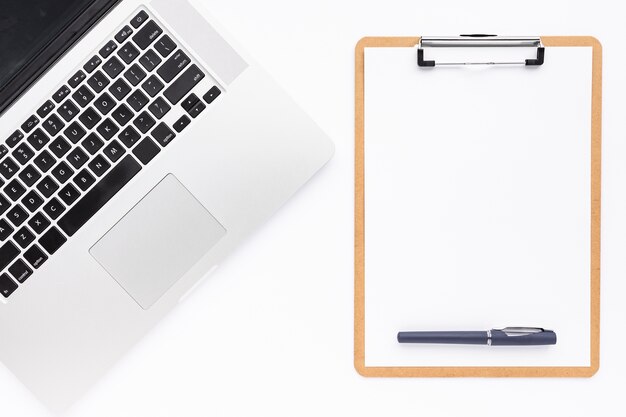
{"x":85,"y":143}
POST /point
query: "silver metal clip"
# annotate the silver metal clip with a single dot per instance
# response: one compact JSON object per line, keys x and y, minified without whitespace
{"x":521,"y":331}
{"x":480,"y":41}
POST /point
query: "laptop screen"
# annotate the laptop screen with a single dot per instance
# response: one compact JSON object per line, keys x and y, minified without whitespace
{"x":27,"y":27}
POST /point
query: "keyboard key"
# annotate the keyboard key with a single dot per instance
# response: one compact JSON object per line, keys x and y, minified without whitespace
{"x":183,"y":84}
{"x":38,"y":139}
{"x":159,"y":108}
{"x":24,"y":237}
{"x":29,"y":176}
{"x":35,"y":256}
{"x":39,"y":223}
{"x":173,"y":66}
{"x":147,"y":34}
{"x":4,"y":204}
{"x":14,"y":190}
{"x":68,"y":110}
{"x":135,"y":74}
{"x":165,"y":46}
{"x":8,"y":252}
{"x":122,"y":115}
{"x":114,"y":151}
{"x":54,"y":208}
{"x":120,"y":89}
{"x":30,"y":123}
{"x":92,"y":143}
{"x":211,"y":94}
{"x":98,"y":80}
{"x":74,"y":132}
{"x":3,"y":151}
{"x":137,"y":100}
{"x":83,"y":96}
{"x":20,"y":271}
{"x":76,"y":79}
{"x":7,"y":285}
{"x":163,"y":134}
{"x":52,"y":240}
{"x":124,"y":33}
{"x":23,"y":153}
{"x":17,"y":215}
{"x":89,"y":118}
{"x":8,"y":167}
{"x":61,"y":93}
{"x":99,"y":165}
{"x":107,"y":129}
{"x":44,"y":161}
{"x":129,"y":136}
{"x":60,"y":147}
{"x":69,"y":194}
{"x":84,"y":180}
{"x":104,"y":103}
{"x":138,"y":20}
{"x":77,"y":157}
{"x":108,"y":49}
{"x":113,"y":68}
{"x":62,"y":172}
{"x":144,"y":122}
{"x":92,"y":64}
{"x":53,"y":125}
{"x":150,"y":60}
{"x":181,"y":123}
{"x":99,"y":195}
{"x":45,"y":109}
{"x":197,"y":109}
{"x":32,"y":201}
{"x":5,"y":230}
{"x":47,"y":186}
{"x":189,"y":102}
{"x":128,"y":53}
{"x":146,"y":150}
{"x":15,"y":138}
{"x":152,"y":86}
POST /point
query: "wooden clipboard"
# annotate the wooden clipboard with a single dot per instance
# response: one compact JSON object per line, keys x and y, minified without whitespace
{"x":359,"y":218}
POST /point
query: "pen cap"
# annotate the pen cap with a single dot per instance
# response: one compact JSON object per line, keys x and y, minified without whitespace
{"x":522,"y":337}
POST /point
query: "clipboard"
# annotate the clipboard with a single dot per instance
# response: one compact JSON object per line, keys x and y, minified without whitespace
{"x":422,"y":59}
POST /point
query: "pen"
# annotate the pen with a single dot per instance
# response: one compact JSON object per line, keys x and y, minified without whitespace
{"x":509,"y":336}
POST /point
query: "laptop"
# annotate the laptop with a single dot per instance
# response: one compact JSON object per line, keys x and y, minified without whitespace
{"x":127,"y":174}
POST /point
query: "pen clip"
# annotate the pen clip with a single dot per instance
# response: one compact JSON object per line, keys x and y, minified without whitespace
{"x":521,"y":331}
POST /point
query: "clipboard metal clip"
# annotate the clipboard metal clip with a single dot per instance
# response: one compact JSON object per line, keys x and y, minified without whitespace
{"x":477,"y":41}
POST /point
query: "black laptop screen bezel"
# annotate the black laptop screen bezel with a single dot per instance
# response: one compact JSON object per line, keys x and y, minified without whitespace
{"x":55,"y":49}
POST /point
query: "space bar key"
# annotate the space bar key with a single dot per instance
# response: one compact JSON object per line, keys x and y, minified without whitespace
{"x":99,"y":195}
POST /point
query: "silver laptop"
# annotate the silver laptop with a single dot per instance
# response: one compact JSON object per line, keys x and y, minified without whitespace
{"x":127,"y":173}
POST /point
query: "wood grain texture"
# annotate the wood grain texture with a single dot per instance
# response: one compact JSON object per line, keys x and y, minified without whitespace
{"x":359,"y":227}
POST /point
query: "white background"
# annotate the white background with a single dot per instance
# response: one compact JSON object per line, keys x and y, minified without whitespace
{"x":290,"y":287}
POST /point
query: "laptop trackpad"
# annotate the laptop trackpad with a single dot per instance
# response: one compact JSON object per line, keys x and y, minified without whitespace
{"x":157,"y":241}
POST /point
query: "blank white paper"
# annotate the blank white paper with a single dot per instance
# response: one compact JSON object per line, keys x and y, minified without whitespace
{"x":477,"y":206}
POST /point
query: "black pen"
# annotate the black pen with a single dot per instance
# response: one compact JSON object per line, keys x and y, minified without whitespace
{"x":509,"y":336}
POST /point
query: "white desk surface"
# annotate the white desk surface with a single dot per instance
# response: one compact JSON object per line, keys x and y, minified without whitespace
{"x":291,"y":284}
